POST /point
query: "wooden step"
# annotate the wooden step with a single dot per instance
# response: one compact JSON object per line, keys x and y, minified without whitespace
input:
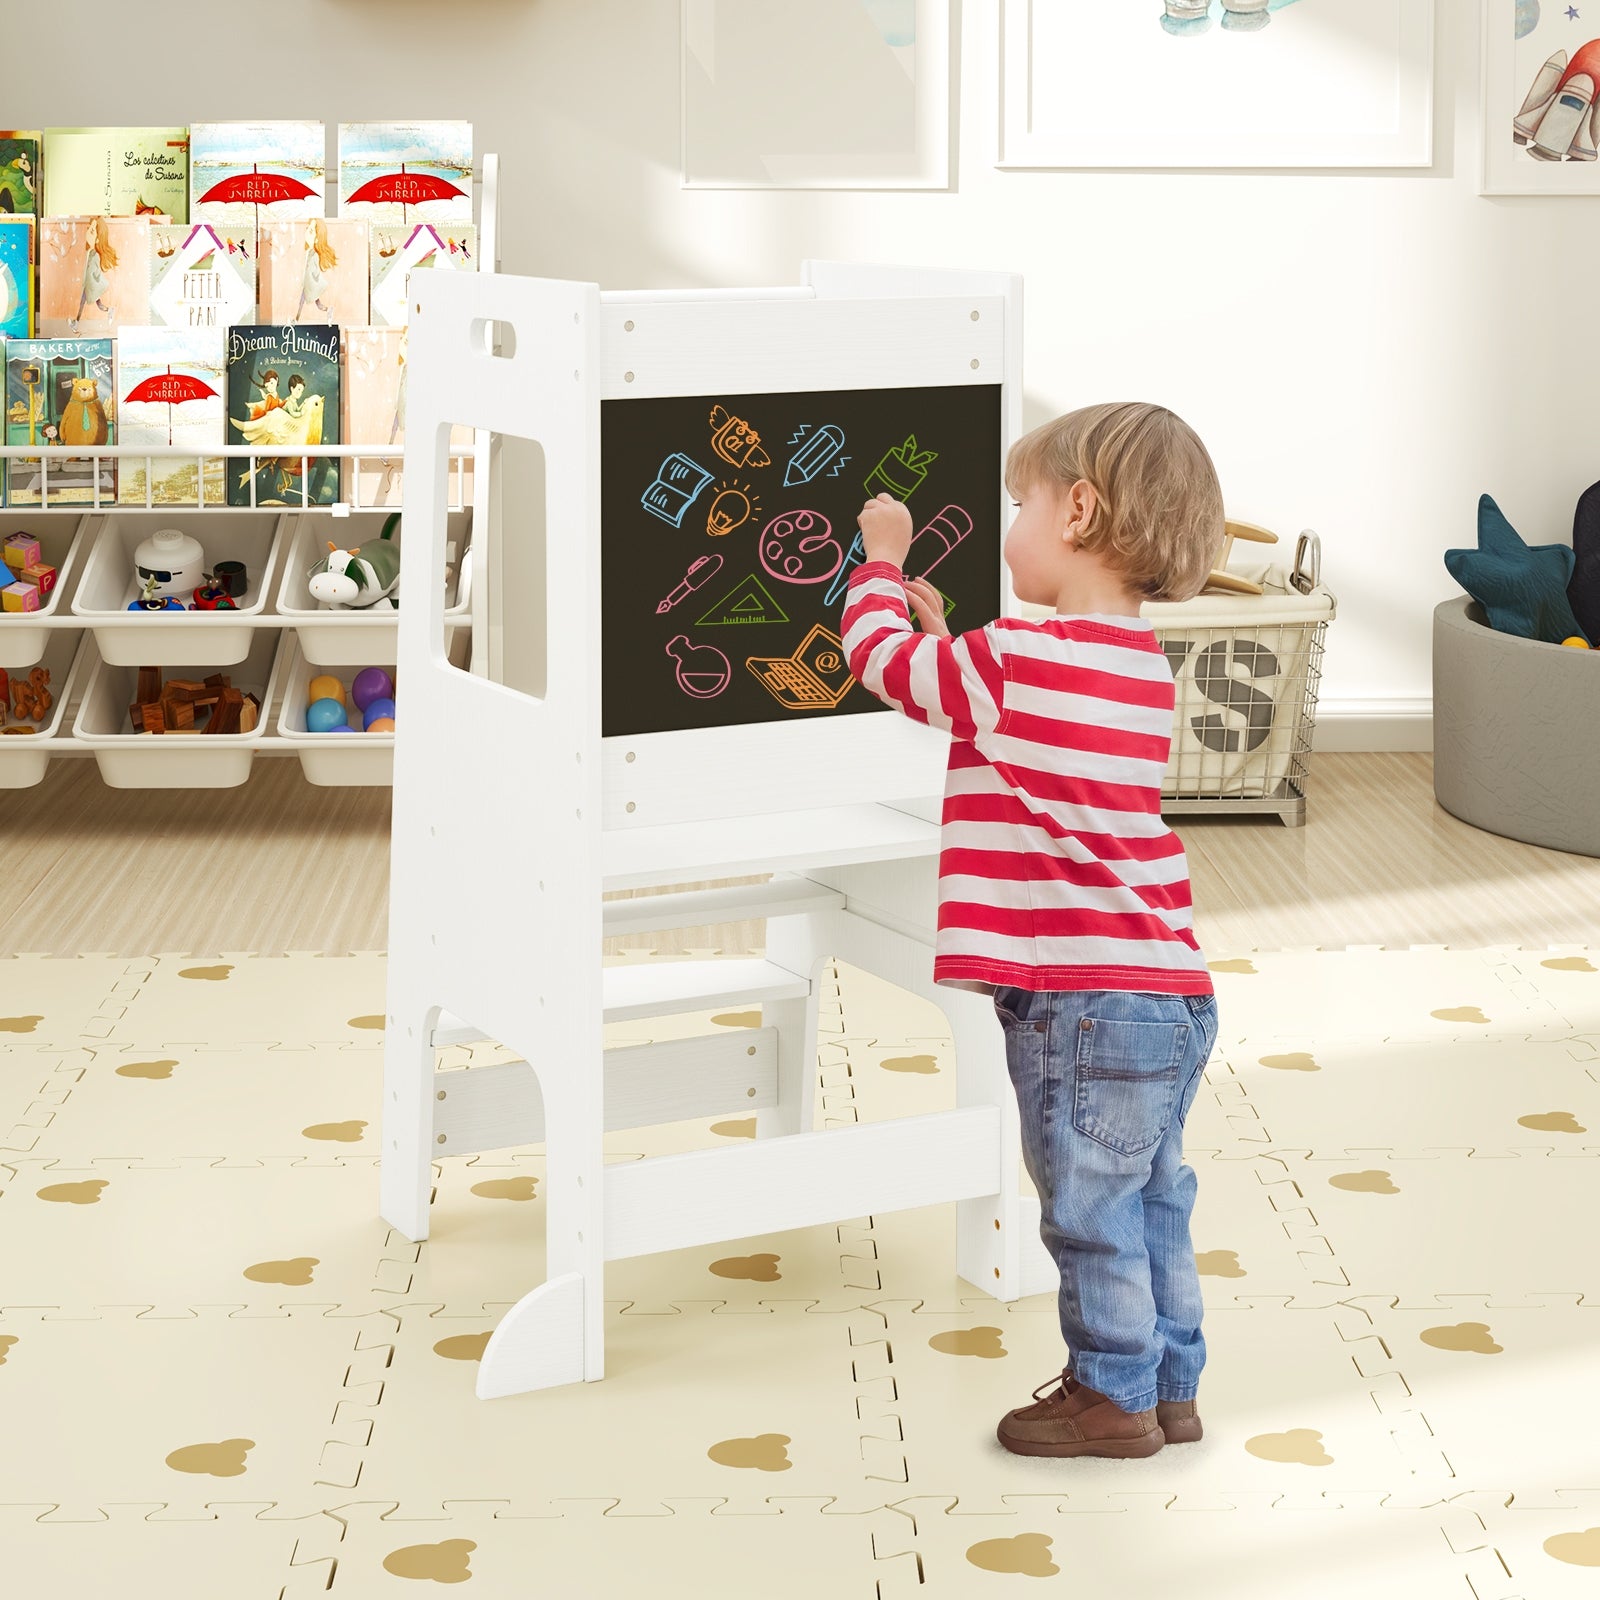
{"x":668,"y":988}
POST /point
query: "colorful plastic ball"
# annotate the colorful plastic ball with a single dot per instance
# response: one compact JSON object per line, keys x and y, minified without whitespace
{"x":372,"y":683}
{"x":379,"y":708}
{"x":326,"y":687}
{"x":381,"y":725}
{"x":1576,"y":642}
{"x":325,"y":716}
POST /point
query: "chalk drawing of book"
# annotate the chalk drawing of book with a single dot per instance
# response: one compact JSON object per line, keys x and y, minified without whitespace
{"x":673,"y":489}
{"x":815,"y":678}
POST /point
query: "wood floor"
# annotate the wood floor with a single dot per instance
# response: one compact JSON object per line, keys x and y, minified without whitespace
{"x":279,"y":865}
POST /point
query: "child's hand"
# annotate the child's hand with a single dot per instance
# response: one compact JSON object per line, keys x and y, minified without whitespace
{"x":928,"y":605}
{"x":885,"y":530}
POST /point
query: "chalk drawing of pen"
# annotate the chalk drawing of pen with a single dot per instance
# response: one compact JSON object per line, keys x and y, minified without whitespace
{"x":813,"y":455}
{"x":699,"y":572}
{"x":853,"y":557}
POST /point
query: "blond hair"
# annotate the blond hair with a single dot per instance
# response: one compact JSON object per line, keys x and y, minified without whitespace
{"x":1158,"y":516}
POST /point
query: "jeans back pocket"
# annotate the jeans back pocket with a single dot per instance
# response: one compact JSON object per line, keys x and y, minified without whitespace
{"x":1126,"y":1081}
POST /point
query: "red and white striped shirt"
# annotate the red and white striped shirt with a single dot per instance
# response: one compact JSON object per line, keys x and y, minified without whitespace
{"x":1055,"y":869}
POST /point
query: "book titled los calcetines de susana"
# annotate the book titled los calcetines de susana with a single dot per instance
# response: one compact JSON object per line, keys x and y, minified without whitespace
{"x":170,"y":383}
{"x":59,"y":395}
{"x":202,"y":275}
{"x":283,"y":398}
{"x":117,"y":172}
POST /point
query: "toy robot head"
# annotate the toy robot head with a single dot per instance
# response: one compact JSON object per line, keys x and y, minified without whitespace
{"x":173,"y":560}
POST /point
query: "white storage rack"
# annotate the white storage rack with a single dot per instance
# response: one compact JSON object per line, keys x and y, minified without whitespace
{"x":512,"y":816}
{"x":89,"y":543}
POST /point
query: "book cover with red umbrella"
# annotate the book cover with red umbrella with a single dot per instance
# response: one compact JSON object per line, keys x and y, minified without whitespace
{"x":256,"y":172}
{"x":406,"y":172}
{"x":170,"y":384}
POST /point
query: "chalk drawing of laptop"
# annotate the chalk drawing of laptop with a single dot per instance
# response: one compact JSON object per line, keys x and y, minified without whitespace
{"x":815,"y":678}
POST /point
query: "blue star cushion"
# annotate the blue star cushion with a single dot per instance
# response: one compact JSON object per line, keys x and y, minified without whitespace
{"x":1522,"y":587}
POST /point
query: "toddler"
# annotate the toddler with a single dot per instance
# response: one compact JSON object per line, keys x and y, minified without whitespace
{"x":1065,"y":896}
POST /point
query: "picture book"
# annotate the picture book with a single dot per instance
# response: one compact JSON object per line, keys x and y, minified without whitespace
{"x":283,"y":396}
{"x":17,"y":252}
{"x":315,"y":270}
{"x":20,"y":165}
{"x":94,"y":275}
{"x":117,"y":172}
{"x":59,"y":394}
{"x":374,"y":411}
{"x":170,"y":383}
{"x":406,"y":171}
{"x":202,"y":275}
{"x":398,"y":251}
{"x":256,"y":172}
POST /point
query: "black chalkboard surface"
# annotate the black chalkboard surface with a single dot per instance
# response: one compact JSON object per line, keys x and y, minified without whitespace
{"x":729,"y":532}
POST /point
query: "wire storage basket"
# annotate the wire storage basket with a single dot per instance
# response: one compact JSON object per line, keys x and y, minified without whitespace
{"x":1247,"y":670}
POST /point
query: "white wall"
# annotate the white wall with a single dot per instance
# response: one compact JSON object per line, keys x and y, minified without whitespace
{"x":1364,"y":354}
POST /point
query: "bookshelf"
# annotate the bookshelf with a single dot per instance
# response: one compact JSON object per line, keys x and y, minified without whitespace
{"x":277,"y":639}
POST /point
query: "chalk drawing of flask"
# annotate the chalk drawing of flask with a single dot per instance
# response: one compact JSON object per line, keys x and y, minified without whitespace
{"x":703,"y":670}
{"x":934,"y":542}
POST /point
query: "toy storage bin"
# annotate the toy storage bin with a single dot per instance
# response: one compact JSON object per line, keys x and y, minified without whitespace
{"x":333,"y":760}
{"x":339,"y":638}
{"x":179,"y":639}
{"x":25,"y":756}
{"x":25,"y":635}
{"x":1246,"y":669}
{"x":129,"y":760}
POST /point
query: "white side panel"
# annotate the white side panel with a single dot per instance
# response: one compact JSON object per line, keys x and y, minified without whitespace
{"x":678,"y":347}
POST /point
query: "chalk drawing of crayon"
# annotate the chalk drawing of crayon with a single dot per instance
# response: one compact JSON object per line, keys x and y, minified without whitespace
{"x":813,"y":455}
{"x":672,"y":491}
{"x":853,"y":557}
{"x":930,"y":545}
{"x":902,"y":470}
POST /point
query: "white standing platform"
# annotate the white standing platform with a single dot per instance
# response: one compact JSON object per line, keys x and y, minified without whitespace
{"x":512,"y":815}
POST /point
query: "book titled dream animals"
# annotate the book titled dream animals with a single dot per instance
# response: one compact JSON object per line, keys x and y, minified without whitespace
{"x":283,"y":398}
{"x":59,"y":393}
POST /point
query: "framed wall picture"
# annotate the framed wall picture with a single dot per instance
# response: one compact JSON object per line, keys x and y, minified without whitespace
{"x":1541,"y":84}
{"x":832,"y":94}
{"x":1217,"y":83}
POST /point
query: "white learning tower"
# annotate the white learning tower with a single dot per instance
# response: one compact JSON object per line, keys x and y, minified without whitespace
{"x":512,"y":815}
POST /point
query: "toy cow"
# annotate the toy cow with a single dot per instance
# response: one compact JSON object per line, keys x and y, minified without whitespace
{"x":361,"y":578}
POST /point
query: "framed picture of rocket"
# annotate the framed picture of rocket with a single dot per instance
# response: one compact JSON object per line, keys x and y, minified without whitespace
{"x":1541,"y":97}
{"x":1165,"y":84}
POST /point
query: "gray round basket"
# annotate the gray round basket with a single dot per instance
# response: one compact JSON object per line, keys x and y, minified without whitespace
{"x":1516,"y":732}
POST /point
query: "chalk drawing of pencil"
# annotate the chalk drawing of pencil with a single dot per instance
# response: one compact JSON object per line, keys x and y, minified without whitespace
{"x":934,"y":542}
{"x":813,"y":455}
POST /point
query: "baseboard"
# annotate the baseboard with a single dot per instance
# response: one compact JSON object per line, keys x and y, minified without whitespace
{"x":1385,"y":722}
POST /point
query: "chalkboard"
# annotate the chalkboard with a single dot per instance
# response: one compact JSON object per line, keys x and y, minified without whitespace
{"x":729,"y":533}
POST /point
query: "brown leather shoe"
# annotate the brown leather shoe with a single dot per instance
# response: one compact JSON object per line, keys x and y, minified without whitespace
{"x":1078,"y":1422}
{"x":1179,"y":1419}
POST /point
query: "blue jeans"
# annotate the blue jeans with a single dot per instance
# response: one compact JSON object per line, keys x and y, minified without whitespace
{"x":1104,"y":1079}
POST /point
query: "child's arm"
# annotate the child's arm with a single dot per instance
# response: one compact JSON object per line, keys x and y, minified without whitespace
{"x":955,"y":684}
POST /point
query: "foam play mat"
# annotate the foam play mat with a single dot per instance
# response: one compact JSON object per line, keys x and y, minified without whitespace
{"x":222,"y":1373}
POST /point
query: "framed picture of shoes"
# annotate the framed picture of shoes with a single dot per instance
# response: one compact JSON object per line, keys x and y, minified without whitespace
{"x":1217,"y":83}
{"x":1541,"y":97}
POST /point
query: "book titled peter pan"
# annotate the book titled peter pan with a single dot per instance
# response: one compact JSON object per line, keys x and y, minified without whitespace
{"x":59,"y":394}
{"x":20,"y":163}
{"x":283,"y":398}
{"x":202,"y":276}
{"x":117,"y":172}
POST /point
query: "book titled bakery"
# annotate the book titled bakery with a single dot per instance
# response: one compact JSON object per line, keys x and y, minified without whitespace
{"x":59,"y":394}
{"x":117,"y":172}
{"x":283,"y":398}
{"x":94,"y":275}
{"x":406,"y":171}
{"x":202,"y":275}
{"x":17,"y":252}
{"x":256,"y":172}
{"x":315,"y":269}
{"x":20,"y":165}
{"x":397,"y":252}
{"x":170,"y":383}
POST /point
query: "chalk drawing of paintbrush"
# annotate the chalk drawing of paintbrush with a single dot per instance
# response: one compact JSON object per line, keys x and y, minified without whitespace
{"x":701,"y":571}
{"x":813,"y":455}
